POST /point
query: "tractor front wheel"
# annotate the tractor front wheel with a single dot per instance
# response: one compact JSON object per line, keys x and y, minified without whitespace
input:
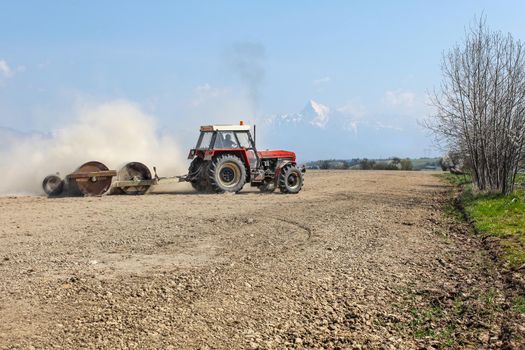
{"x":227,"y":174}
{"x":291,"y":179}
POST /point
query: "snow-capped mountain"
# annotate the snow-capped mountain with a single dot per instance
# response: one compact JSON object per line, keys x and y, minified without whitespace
{"x":314,"y":115}
{"x":317,"y":114}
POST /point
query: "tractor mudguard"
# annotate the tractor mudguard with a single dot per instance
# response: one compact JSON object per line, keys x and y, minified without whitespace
{"x":280,"y":167}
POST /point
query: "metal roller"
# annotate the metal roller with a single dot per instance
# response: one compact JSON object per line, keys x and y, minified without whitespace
{"x":53,"y":185}
{"x":133,"y":178}
{"x":90,"y":179}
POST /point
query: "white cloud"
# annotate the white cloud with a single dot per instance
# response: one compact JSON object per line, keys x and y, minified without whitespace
{"x":322,"y":80}
{"x":5,"y":70}
{"x":400,"y":98}
{"x":211,"y":104}
{"x":354,"y":109}
{"x":382,"y":125}
{"x":204,"y":92}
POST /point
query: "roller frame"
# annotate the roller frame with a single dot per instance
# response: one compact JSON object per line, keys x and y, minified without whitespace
{"x":136,"y":183}
{"x":88,"y":175}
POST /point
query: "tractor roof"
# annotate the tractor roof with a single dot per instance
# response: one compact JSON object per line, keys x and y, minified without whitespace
{"x":233,"y":127}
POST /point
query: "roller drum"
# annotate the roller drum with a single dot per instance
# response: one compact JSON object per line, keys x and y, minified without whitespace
{"x":79,"y":184}
{"x":53,"y":185}
{"x":134,"y":171}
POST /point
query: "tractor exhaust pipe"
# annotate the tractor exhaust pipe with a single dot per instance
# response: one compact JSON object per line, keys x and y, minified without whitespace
{"x":254,"y":135}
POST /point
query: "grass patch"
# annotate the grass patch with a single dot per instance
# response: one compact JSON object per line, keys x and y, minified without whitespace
{"x":423,"y":322}
{"x":449,"y":320}
{"x":452,"y":211}
{"x":519,"y":304}
{"x":432,"y":323}
{"x":520,"y":179}
{"x":500,"y":216}
{"x":489,"y":298}
{"x":496,"y":215}
{"x":457,"y":180}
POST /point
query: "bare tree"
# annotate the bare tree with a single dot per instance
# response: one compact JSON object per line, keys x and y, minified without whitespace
{"x":481,"y":105}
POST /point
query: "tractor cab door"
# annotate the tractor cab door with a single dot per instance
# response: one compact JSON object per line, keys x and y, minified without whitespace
{"x":245,"y":141}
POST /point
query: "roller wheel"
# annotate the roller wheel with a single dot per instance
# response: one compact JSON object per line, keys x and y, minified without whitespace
{"x":53,"y":185}
{"x":94,"y":186}
{"x":291,"y":179}
{"x":134,"y":171}
{"x":227,"y":173}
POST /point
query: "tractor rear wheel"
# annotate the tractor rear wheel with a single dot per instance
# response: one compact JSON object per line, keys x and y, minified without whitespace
{"x":291,"y":179}
{"x":227,"y":174}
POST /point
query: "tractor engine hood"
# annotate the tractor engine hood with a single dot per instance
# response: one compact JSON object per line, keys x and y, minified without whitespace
{"x":277,"y":154}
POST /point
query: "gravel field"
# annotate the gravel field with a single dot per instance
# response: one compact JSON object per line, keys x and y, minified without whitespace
{"x":356,"y":260}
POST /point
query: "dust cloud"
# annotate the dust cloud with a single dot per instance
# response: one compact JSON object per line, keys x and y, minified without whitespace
{"x":113,"y":133}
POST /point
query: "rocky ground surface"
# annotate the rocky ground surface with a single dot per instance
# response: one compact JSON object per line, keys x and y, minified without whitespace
{"x":357,"y":260}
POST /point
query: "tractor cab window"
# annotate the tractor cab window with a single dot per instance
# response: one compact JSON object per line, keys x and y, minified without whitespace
{"x":204,"y":140}
{"x":244,"y":140}
{"x":225,"y":139}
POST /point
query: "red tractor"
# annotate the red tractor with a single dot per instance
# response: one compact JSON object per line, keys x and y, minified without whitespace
{"x":225,"y":158}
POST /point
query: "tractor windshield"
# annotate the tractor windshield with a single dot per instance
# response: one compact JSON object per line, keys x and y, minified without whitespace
{"x":204,"y":140}
{"x":225,"y":139}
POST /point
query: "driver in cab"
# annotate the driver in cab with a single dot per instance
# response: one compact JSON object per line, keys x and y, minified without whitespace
{"x":228,"y":142}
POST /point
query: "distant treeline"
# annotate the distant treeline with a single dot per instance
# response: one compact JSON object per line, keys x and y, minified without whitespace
{"x":394,"y":163}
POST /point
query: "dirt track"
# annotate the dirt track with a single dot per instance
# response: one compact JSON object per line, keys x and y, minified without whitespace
{"x":357,"y":259}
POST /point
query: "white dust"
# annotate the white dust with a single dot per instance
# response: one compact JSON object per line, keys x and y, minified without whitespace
{"x":112,"y":133}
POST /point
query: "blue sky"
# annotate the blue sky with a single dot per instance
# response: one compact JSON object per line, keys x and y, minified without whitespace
{"x":188,"y":63}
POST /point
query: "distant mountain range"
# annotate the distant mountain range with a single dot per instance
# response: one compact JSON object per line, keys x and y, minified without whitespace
{"x":318,"y":131}
{"x":322,"y":132}
{"x":314,"y":115}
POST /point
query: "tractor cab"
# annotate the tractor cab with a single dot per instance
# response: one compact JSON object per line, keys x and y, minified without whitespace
{"x":225,"y":137}
{"x":225,"y":158}
{"x":214,"y":139}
